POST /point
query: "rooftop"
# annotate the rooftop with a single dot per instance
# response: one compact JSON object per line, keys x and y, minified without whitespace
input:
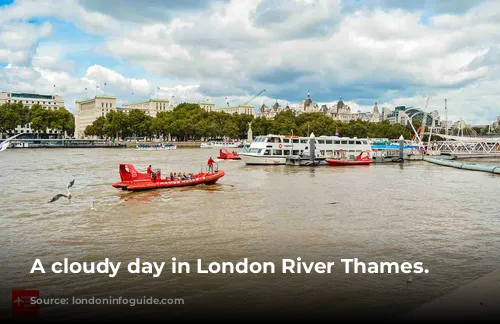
{"x":103,"y":96}
{"x":31,"y":95}
{"x":206,"y":103}
{"x":143,"y":102}
{"x":244,"y":106}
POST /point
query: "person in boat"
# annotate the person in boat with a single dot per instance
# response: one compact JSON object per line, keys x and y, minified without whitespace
{"x":210,"y":165}
{"x":171,"y":176}
{"x":175,"y":175}
{"x":150,"y":170}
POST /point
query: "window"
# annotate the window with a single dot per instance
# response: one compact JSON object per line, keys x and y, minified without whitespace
{"x":277,"y":152}
{"x":286,"y":152}
{"x":329,"y":141}
{"x":303,"y":141}
{"x":296,"y":152}
{"x":267,"y":152}
{"x":336,"y":142}
{"x":365,"y":142}
{"x":358,"y":142}
{"x":343,"y":142}
{"x":102,"y":104}
{"x":295,"y":140}
{"x":351,"y":142}
{"x":321,"y":141}
{"x":286,"y":140}
{"x":110,"y":105}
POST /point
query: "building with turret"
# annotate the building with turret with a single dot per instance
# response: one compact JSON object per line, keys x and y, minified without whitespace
{"x":308,"y":106}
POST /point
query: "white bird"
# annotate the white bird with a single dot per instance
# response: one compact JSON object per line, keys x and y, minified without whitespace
{"x":70,"y":184}
{"x":5,"y":144}
{"x":410,"y":280}
{"x":92,"y":205}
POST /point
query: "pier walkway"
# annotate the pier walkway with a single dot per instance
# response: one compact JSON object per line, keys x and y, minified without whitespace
{"x":475,"y":301}
{"x":468,"y":147}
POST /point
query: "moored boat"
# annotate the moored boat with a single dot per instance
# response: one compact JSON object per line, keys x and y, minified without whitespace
{"x":133,"y":180}
{"x":275,"y":149}
{"x":226,"y":155}
{"x":156,"y":147}
{"x":359,"y":160}
{"x":228,"y":143}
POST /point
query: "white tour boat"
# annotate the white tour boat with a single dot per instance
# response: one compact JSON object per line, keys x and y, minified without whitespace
{"x":220,"y":144}
{"x":156,"y":147}
{"x":274,"y":149}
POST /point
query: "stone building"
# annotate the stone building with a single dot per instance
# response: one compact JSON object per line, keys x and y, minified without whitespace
{"x":151,"y":107}
{"x":51,"y":102}
{"x":88,"y":110}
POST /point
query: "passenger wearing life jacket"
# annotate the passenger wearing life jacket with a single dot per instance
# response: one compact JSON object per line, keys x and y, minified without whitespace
{"x":210,"y":165}
{"x":150,"y":170}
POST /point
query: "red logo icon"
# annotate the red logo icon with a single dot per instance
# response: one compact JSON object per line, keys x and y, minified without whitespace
{"x":22,"y":304}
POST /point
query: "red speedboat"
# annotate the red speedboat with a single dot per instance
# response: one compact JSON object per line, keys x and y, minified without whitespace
{"x":360,"y":160}
{"x":226,"y":155}
{"x":133,"y":180}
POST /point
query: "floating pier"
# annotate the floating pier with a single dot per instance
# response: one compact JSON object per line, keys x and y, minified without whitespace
{"x":475,"y":301}
{"x":465,"y":166}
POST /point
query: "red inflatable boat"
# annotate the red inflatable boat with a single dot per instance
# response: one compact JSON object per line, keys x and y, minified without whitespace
{"x":133,"y":180}
{"x":360,"y":160}
{"x":226,"y":155}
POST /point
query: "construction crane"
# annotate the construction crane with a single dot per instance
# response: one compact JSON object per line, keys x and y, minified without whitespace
{"x":248,"y":101}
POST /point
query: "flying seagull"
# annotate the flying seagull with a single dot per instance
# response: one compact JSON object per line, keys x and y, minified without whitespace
{"x":5,"y":144}
{"x":70,"y":184}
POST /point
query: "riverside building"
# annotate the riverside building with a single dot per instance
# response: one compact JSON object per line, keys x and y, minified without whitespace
{"x":52,"y":102}
{"x":88,"y":110}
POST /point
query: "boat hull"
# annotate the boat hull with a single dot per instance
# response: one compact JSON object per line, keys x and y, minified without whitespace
{"x":226,"y":155}
{"x":334,"y":162}
{"x":262,"y":159}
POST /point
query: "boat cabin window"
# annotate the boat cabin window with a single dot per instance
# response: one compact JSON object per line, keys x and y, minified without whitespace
{"x":286,"y":140}
{"x":351,"y":142}
{"x":321,"y":141}
{"x":329,"y":141}
{"x":358,"y":142}
{"x":365,"y":142}
{"x":277,"y":152}
{"x":286,"y":152}
{"x":296,"y":152}
{"x":267,"y":152}
{"x":273,"y":140}
{"x":303,"y":141}
{"x":342,"y":142}
{"x":295,"y":140}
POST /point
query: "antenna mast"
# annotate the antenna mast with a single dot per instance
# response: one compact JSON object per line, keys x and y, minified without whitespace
{"x":446,"y":114}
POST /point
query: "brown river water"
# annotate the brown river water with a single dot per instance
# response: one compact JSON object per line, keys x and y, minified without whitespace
{"x":446,"y":218}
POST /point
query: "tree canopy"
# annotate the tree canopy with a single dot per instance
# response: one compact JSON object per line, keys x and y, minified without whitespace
{"x":189,"y":121}
{"x":15,"y":114}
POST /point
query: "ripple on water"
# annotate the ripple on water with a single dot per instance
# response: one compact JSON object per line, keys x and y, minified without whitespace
{"x":412,"y":212}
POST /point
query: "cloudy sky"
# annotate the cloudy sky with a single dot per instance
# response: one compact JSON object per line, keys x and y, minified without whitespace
{"x":394,"y":52}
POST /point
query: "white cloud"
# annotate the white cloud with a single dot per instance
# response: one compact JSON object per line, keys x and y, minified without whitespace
{"x":382,"y":54}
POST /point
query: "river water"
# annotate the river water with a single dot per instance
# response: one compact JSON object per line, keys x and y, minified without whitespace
{"x":417,"y":212}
